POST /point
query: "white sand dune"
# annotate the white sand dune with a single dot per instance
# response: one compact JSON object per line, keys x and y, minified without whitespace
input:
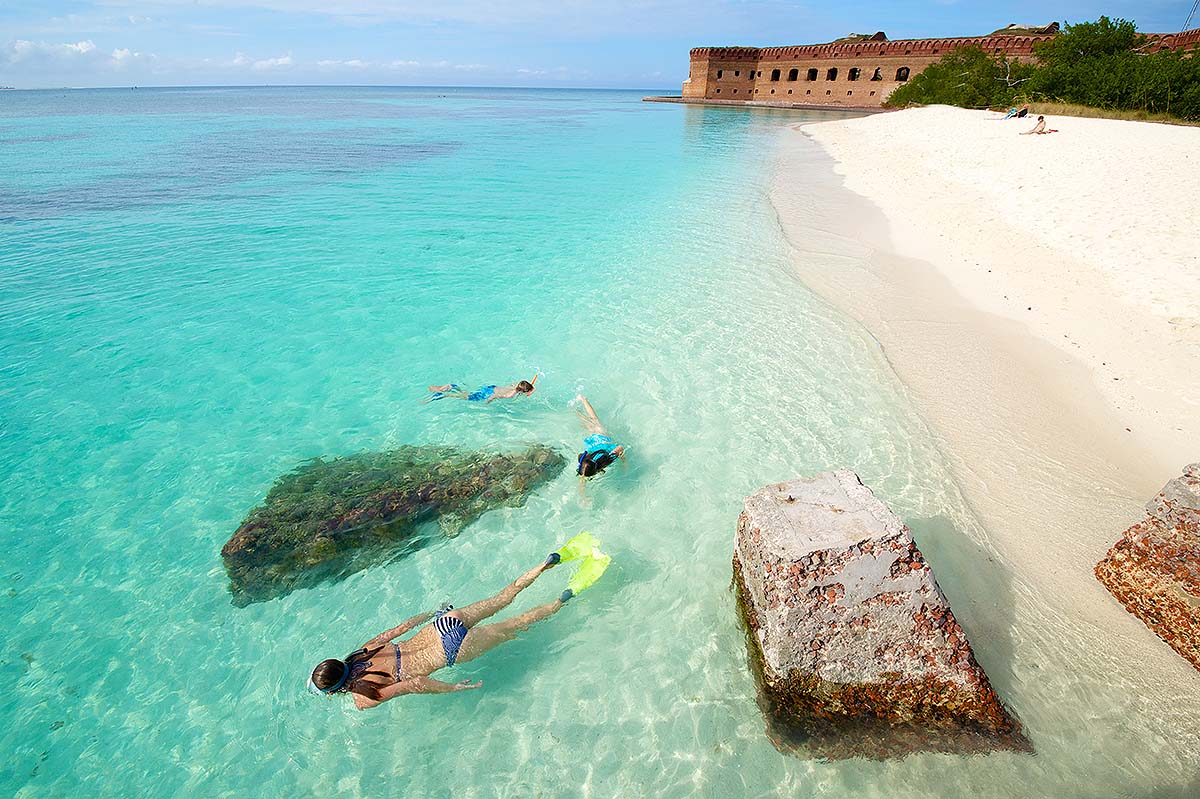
{"x":1090,"y":237}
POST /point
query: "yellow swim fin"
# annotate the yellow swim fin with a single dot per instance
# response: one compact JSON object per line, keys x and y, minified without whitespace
{"x":592,"y":562}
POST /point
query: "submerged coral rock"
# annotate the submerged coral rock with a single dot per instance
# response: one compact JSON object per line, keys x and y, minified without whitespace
{"x":1154,"y":570}
{"x":855,"y":648}
{"x":331,"y":518}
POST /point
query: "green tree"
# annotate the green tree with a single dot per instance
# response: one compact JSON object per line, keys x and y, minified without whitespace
{"x":1102,"y":64}
{"x":967,"y":77}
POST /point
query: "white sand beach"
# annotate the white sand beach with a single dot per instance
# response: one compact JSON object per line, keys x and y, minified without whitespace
{"x":1039,"y":299}
{"x":1089,"y":237}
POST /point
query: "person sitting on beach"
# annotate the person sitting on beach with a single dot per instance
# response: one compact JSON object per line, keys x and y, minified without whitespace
{"x":1024,"y":112}
{"x":485,"y":394}
{"x":1039,"y":128}
{"x":381,"y":669}
{"x":599,"y":450}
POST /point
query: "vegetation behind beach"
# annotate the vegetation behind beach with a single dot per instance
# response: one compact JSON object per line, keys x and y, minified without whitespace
{"x":1099,"y":65}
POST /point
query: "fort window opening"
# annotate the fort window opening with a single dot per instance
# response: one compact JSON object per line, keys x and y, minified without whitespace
{"x":737,"y":73}
{"x":719,"y":74}
{"x":853,"y":74}
{"x":789,"y":91}
{"x":831,"y":74}
{"x":719,"y":91}
{"x":772,"y":91}
{"x":878,"y":75}
{"x":812,"y":74}
{"x":849,"y":93}
{"x":902,"y":74}
{"x":827,"y":91}
{"x":808,"y":91}
{"x":774,"y":74}
{"x":793,"y":74}
{"x":751,"y":75}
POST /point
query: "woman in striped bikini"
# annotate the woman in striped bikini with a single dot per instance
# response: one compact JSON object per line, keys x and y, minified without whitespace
{"x":382,"y":669}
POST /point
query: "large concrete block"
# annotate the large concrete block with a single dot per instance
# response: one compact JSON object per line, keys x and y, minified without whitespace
{"x":1154,"y":570}
{"x":855,"y":648}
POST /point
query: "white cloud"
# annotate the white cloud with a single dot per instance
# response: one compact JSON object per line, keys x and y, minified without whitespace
{"x":23,"y":50}
{"x":278,"y":62}
{"x":353,"y":63}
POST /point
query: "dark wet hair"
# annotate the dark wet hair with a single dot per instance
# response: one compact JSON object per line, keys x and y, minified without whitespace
{"x":525,"y":387}
{"x":592,"y":463}
{"x":1041,"y":118}
{"x":329,"y":673}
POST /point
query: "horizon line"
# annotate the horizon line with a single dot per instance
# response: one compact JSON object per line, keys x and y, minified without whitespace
{"x":321,"y":86}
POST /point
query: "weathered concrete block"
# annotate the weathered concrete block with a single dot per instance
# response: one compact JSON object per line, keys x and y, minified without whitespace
{"x":855,"y":648}
{"x":1154,"y":570}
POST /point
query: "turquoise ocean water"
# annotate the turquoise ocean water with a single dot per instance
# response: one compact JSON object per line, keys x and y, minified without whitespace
{"x":201,"y":288}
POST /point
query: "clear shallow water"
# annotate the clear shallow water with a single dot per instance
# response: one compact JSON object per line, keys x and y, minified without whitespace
{"x":201,"y":288}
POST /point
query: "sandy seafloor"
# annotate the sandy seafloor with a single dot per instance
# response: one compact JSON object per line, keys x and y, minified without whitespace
{"x":201,"y":288}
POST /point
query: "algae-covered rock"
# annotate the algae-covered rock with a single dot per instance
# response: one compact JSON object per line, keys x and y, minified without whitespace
{"x":330,"y":518}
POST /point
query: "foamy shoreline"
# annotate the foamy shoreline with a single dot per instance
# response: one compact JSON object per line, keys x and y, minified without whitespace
{"x":1012,"y":368}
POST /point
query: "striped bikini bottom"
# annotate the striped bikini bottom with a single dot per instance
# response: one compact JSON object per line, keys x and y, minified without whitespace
{"x":452,"y":631}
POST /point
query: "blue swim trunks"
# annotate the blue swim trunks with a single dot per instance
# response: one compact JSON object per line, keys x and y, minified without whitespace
{"x":599,"y":443}
{"x":480,"y":395}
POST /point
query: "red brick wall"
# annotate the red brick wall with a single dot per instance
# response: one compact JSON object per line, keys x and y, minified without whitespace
{"x":744,"y":73}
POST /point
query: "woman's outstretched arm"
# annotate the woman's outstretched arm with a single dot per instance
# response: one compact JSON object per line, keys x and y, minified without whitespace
{"x":399,"y":629}
{"x":414,"y":685}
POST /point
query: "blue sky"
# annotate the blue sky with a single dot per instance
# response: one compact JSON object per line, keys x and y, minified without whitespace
{"x":586,"y":43}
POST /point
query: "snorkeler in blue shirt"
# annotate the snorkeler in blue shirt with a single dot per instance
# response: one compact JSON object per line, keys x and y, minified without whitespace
{"x":599,"y":450}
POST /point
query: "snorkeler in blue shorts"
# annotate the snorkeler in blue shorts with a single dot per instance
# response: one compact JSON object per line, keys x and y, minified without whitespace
{"x":485,"y":394}
{"x":599,"y":450}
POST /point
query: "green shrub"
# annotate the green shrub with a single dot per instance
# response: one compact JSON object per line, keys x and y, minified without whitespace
{"x":1100,"y":64}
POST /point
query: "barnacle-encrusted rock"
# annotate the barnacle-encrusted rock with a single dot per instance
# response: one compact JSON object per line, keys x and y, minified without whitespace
{"x":331,"y":518}
{"x":1154,"y":570}
{"x":855,"y":648}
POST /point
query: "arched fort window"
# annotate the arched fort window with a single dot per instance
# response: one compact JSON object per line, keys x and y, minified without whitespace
{"x":793,"y":74}
{"x":812,"y":74}
{"x":831,"y":74}
{"x":878,"y":74}
{"x":774,"y":74}
{"x":853,"y":73}
{"x":719,"y":74}
{"x":902,"y":74}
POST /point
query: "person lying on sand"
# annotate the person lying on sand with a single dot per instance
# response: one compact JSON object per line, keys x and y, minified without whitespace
{"x":599,"y":450}
{"x":382,"y":670}
{"x":1039,"y":128}
{"x":485,"y":394}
